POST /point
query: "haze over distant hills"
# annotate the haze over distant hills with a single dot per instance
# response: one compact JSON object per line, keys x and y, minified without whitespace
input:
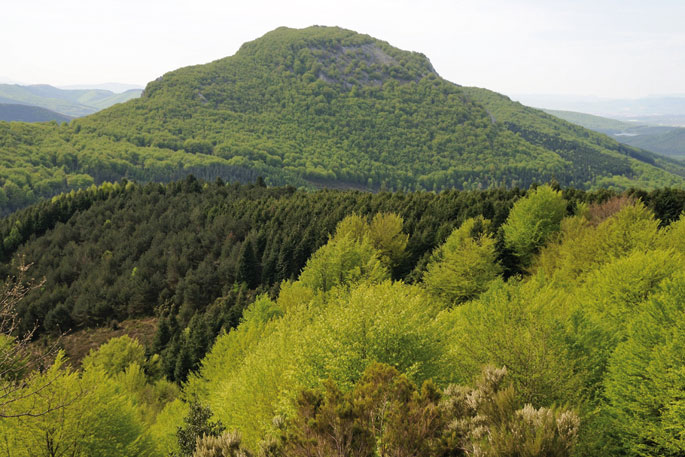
{"x":321,"y":107}
{"x":28,"y":113}
{"x":661,"y":139}
{"x":73,"y":103}
{"x":6,"y":80}
{"x":117,"y":88}
{"x":658,"y":109}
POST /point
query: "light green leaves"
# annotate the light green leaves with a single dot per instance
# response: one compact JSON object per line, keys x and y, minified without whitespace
{"x":533,"y":220}
{"x":464,"y":265}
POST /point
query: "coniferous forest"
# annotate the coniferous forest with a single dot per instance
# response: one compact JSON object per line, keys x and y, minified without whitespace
{"x":340,"y":254}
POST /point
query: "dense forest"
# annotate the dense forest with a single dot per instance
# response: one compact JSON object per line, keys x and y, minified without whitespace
{"x":125,"y":250}
{"x":293,"y":323}
{"x":319,"y":107}
{"x":461,"y":308}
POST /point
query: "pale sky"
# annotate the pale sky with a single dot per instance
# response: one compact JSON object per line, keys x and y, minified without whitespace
{"x":609,"y":48}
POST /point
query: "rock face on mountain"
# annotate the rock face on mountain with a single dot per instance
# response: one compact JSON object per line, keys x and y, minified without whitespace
{"x":328,"y":107}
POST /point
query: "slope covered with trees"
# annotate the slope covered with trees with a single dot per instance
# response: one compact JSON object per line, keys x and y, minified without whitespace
{"x":318,"y":107}
{"x":124,"y":250}
{"x":578,"y":353}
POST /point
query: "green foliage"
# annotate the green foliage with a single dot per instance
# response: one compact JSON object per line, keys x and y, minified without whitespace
{"x":520,"y":326}
{"x":591,"y":324}
{"x":385,"y":414}
{"x":385,"y":233}
{"x":586,"y":245}
{"x":79,"y":415}
{"x":163,"y":430}
{"x":269,"y":361}
{"x":196,"y":430}
{"x":464,"y":265}
{"x":645,"y":379}
{"x":116,"y":355}
{"x":343,"y":261}
{"x":533,"y":220}
{"x":318,"y":107}
{"x":614,"y":167}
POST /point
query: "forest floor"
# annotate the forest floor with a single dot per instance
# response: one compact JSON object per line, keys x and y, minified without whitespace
{"x":76,"y":345}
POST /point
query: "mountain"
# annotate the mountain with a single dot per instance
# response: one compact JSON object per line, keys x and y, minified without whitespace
{"x":321,"y":107}
{"x":28,"y":113}
{"x":592,"y":122}
{"x":117,"y":88}
{"x":73,"y":103}
{"x":666,"y":140}
{"x":659,"y":107}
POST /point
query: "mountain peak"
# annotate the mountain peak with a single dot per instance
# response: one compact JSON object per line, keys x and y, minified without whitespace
{"x":332,"y":55}
{"x":338,"y":56}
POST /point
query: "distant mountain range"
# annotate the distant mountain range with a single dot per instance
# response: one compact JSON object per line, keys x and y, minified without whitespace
{"x":663,"y":110}
{"x":72,"y":103}
{"x":117,"y":88}
{"x":28,"y":113}
{"x":661,"y":139}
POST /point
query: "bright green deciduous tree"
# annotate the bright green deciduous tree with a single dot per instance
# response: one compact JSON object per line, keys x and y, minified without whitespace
{"x":338,"y":338}
{"x":385,"y":233}
{"x":91,"y":416}
{"x":533,"y":220}
{"x":646,"y":378}
{"x":343,"y":261}
{"x":116,"y":355}
{"x":464,"y":265}
{"x":520,"y":326}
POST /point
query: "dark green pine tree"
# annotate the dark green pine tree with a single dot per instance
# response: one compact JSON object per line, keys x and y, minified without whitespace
{"x":248,"y":265}
{"x":162,"y":336}
{"x":197,"y":424}
{"x":184,"y":362}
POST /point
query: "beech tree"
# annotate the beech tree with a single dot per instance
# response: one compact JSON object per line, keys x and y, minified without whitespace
{"x":532,"y":221}
{"x":465,"y":264}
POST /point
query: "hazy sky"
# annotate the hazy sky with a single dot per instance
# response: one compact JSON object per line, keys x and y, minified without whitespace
{"x":613,"y":48}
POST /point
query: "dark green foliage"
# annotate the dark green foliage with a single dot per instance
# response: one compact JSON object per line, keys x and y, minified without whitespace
{"x":248,"y":265}
{"x":312,"y":108}
{"x":195,"y":253}
{"x":197,"y":425}
{"x":129,"y":251}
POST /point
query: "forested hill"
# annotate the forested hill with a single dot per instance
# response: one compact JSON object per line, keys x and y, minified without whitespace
{"x":26,"y":113}
{"x":318,"y":107}
{"x":127,"y":250}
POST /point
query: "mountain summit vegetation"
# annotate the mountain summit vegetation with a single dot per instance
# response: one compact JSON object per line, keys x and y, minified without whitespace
{"x":319,"y":107}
